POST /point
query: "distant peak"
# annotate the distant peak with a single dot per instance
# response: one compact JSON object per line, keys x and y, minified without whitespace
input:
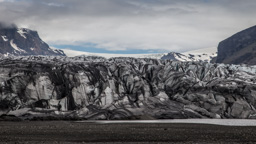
{"x":23,"y":41}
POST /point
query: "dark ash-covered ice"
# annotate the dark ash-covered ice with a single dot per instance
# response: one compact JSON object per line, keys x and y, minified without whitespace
{"x":121,"y":88}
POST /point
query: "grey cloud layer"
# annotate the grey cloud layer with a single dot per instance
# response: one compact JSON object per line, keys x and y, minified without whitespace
{"x":173,"y":25}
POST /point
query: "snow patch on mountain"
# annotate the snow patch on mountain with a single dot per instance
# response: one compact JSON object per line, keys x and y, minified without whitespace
{"x":16,"y":47}
{"x":5,"y":38}
{"x":55,"y":50}
{"x":205,"y":55}
{"x":22,"y":33}
{"x":7,"y":54}
{"x":24,"y":42}
{"x":176,"y":56}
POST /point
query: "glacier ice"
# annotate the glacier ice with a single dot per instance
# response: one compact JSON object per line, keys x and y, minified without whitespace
{"x":120,"y":88}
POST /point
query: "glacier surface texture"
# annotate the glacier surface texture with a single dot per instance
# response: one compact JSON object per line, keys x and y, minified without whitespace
{"x":125,"y":88}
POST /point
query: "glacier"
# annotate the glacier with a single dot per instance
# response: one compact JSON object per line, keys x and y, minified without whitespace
{"x":91,"y":87}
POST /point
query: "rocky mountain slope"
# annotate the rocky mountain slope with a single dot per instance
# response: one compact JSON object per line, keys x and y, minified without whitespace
{"x":120,"y":88}
{"x":22,"y":42}
{"x":239,"y":48}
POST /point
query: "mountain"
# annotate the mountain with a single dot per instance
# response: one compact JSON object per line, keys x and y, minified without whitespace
{"x":205,"y":55}
{"x":37,"y":87}
{"x":175,"y":56}
{"x":73,"y":53}
{"x":239,"y":48}
{"x":21,"y":42}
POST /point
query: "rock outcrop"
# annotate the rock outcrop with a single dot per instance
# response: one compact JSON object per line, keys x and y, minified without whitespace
{"x":239,"y":48}
{"x":119,"y":88}
{"x":175,"y":57}
{"x":23,"y":42}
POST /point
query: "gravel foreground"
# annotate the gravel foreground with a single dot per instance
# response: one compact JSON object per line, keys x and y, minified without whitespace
{"x":73,"y":132}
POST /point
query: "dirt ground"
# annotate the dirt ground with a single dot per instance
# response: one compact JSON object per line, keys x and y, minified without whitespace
{"x":73,"y":132}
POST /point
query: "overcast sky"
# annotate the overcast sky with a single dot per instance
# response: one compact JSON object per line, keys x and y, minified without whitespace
{"x":131,"y":26}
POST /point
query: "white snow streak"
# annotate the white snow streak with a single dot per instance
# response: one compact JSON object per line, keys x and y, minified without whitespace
{"x":16,"y":47}
{"x":4,"y":38}
{"x":7,"y":54}
{"x":21,"y":32}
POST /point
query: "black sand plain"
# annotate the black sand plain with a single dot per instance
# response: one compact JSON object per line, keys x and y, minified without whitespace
{"x":75,"y":132}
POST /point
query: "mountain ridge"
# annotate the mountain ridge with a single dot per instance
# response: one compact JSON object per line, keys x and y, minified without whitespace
{"x":23,"y":42}
{"x":205,"y":54}
{"x":239,"y":48}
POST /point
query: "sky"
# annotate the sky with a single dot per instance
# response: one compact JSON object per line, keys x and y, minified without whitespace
{"x":131,"y":26}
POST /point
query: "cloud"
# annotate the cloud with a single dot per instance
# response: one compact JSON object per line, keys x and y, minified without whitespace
{"x":120,"y":25}
{"x":7,"y":1}
{"x":4,"y":25}
{"x":54,"y":4}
